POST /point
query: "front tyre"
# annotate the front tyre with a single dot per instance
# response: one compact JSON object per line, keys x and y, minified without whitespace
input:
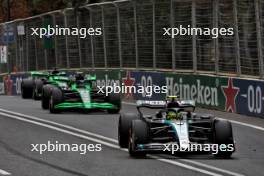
{"x":27,"y":86}
{"x":223,"y":136}
{"x":124,"y":124}
{"x":46,"y":93}
{"x":139,"y":134}
{"x":55,"y":99}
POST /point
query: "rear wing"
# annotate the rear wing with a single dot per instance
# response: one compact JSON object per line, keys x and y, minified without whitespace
{"x":184,"y":103}
{"x":59,"y":78}
{"x":90,"y":77}
{"x":160,"y":104}
{"x":39,"y":74}
{"x":151,"y":104}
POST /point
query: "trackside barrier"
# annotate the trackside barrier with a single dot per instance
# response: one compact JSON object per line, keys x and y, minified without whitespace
{"x":234,"y":95}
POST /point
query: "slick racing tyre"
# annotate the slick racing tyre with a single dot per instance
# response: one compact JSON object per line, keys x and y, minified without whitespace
{"x":55,"y":99}
{"x":222,"y":134}
{"x":46,"y":92}
{"x":124,"y":124}
{"x":138,"y":134}
{"x":27,"y":86}
{"x":37,"y":91}
{"x":115,"y":99}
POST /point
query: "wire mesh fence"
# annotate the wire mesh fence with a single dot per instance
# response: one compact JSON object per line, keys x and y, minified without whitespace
{"x":133,"y":37}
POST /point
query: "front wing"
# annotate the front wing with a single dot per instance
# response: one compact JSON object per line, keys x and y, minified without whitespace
{"x":68,"y":105}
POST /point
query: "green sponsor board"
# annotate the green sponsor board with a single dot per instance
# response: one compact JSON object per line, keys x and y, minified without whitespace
{"x":205,"y":90}
{"x":106,"y":78}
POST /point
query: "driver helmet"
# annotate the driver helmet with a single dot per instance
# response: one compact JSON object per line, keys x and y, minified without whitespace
{"x":79,"y":76}
{"x":55,"y":71}
{"x":171,"y":115}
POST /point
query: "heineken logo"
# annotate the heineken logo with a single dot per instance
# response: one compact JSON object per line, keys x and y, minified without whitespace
{"x":106,"y":81}
{"x":200,"y":93}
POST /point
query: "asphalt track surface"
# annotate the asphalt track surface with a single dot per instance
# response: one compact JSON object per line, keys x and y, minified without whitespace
{"x":23,"y":122}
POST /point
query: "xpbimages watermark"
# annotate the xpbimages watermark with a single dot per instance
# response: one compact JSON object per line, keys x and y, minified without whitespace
{"x":56,"y":30}
{"x":147,"y":91}
{"x":192,"y":147}
{"x":60,"y":147}
{"x":213,"y":32}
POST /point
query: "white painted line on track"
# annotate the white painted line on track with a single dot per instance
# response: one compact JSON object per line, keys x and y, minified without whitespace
{"x":2,"y":172}
{"x":60,"y":130}
{"x":210,"y":167}
{"x":60,"y":125}
{"x":184,"y":165}
{"x":16,"y":116}
{"x":245,"y":124}
{"x":233,"y":121}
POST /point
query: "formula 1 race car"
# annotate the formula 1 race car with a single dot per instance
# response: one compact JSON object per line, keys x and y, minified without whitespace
{"x":32,"y":87}
{"x":78,"y":93}
{"x":175,"y":128}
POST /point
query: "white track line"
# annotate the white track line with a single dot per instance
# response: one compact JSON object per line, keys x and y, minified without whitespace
{"x":105,"y":143}
{"x":60,"y":125}
{"x":233,"y":121}
{"x":16,"y":116}
{"x":210,"y":167}
{"x":247,"y":125}
{"x":2,"y":172}
{"x":183,"y":165}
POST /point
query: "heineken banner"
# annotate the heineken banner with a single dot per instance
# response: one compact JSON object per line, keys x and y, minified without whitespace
{"x":248,"y":95}
{"x":205,"y":90}
{"x":228,"y":94}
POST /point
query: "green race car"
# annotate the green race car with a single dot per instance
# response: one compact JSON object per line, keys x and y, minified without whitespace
{"x":78,"y":93}
{"x":32,"y":87}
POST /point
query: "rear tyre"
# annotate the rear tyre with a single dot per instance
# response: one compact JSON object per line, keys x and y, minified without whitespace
{"x":223,"y":135}
{"x":37,"y":91}
{"x":124,"y":124}
{"x":115,"y":99}
{"x":139,"y":134}
{"x":55,"y":99}
{"x":46,"y":92}
{"x":27,"y":86}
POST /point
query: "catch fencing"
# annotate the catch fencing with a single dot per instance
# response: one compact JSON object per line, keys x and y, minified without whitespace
{"x":132,"y":38}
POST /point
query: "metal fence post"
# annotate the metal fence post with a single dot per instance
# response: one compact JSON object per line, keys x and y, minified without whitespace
{"x":21,"y":54}
{"x":66,"y":40}
{"x":45,"y":49}
{"x":259,"y":39}
{"x":36,"y":52}
{"x":104,"y":39}
{"x":16,"y":44}
{"x":215,"y":24}
{"x":55,"y":42}
{"x":119,"y":35}
{"x":27,"y":48}
{"x":172,"y":39}
{"x":91,"y":37}
{"x":194,"y":53}
{"x":154,"y":34}
{"x":238,"y":65}
{"x":8,"y":55}
{"x":135,"y":26}
{"x":78,"y":39}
